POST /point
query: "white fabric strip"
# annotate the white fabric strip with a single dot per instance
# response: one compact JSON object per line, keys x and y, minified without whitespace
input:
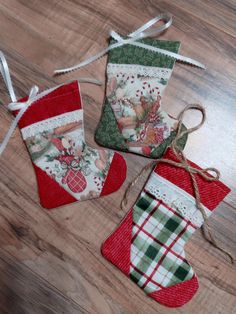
{"x":133,"y":40}
{"x":52,"y":123}
{"x":134,"y":69}
{"x":176,"y":198}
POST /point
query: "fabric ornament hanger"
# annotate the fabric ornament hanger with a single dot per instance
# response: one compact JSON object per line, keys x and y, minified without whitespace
{"x":138,"y":71}
{"x":149,"y":244}
{"x":51,"y":124}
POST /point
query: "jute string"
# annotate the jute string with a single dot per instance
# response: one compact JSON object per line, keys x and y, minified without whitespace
{"x":209,"y":174}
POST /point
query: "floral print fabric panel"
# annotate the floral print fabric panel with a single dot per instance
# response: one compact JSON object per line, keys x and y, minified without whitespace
{"x":134,"y":93}
{"x":62,"y":153}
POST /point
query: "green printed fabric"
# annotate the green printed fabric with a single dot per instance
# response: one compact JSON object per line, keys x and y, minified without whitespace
{"x":129,"y":54}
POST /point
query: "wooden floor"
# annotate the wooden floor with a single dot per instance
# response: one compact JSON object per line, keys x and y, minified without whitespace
{"x":50,"y":261}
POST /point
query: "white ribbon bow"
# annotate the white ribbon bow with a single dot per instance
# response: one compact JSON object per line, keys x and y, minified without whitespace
{"x":23,"y":106}
{"x":133,"y":40}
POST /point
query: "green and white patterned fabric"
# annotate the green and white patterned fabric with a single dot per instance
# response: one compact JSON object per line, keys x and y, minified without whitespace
{"x":161,"y":227}
{"x":157,"y":255}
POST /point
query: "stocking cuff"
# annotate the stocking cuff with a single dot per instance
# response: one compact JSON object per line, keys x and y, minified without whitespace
{"x":59,"y":121}
{"x":114,"y":69}
{"x":173,"y":186}
{"x":129,"y":54}
{"x":56,"y":104}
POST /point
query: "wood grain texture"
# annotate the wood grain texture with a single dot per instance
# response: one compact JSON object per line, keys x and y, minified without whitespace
{"x":50,"y":261}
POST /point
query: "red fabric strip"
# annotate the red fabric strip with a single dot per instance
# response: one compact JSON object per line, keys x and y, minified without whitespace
{"x":117,"y":246}
{"x":177,"y":295}
{"x":51,"y":194}
{"x":116,"y":175}
{"x":64,"y":99}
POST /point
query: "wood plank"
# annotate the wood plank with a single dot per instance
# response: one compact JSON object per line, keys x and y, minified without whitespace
{"x":21,"y":291}
{"x":220,"y":14}
{"x":67,"y":242}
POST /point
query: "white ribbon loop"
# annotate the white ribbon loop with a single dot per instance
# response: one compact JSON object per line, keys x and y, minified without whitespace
{"x":133,"y":40}
{"x":20,"y":105}
{"x":6,"y":76}
{"x":139,"y":33}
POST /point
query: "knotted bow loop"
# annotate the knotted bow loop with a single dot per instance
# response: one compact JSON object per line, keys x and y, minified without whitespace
{"x":210,"y":173}
{"x":180,"y":133}
{"x":140,"y":32}
{"x":133,"y":39}
{"x":20,"y":105}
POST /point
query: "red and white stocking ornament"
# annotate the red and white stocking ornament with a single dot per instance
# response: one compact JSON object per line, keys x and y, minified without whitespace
{"x":51,"y":124}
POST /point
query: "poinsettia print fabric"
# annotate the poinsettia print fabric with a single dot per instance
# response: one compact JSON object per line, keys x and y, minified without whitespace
{"x":134,"y":93}
{"x":57,"y":146}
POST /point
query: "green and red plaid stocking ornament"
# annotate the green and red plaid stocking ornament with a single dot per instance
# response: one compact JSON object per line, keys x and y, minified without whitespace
{"x":148,"y":246}
{"x":67,"y":169}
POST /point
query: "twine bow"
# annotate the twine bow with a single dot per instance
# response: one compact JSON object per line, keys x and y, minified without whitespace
{"x":209,"y":174}
{"x":133,"y":39}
